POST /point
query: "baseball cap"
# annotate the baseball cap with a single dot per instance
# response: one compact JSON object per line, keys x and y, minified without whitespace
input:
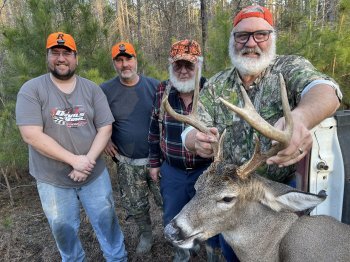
{"x":254,"y":11}
{"x":61,"y":39}
{"x":188,"y":50}
{"x":123,"y":48}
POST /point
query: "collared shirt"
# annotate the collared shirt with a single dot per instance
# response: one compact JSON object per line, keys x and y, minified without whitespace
{"x":170,"y":148}
{"x":265,"y":95}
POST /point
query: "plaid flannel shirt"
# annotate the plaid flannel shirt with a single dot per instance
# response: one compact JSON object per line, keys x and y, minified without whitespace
{"x":170,"y":148}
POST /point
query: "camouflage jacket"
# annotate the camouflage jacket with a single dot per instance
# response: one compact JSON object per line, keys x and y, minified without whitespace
{"x":265,"y":95}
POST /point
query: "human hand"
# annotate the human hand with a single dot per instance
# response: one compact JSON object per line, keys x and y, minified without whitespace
{"x":83,"y":164}
{"x":77,"y":176}
{"x":203,"y":142}
{"x":299,"y":146}
{"x":111,"y":149}
{"x":154,"y":173}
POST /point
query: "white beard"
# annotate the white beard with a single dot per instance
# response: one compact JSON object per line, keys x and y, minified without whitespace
{"x":249,"y":65}
{"x":182,"y":86}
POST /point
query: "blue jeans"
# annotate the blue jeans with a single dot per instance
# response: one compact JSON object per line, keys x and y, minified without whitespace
{"x":177,"y":189}
{"x":62,"y":209}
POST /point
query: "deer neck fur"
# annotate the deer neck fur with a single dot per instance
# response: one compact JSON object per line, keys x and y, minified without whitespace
{"x":258,"y":239}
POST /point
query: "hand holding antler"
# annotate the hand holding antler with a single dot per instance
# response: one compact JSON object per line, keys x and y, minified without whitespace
{"x":299,"y":146}
{"x":203,"y":142}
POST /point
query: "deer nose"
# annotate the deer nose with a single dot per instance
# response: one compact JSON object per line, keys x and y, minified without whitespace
{"x":172,"y":232}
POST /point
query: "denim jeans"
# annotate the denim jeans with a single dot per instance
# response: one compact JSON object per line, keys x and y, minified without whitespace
{"x":177,"y":189}
{"x":62,"y":209}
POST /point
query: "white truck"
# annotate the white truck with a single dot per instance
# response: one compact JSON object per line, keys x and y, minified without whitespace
{"x":328,"y":166}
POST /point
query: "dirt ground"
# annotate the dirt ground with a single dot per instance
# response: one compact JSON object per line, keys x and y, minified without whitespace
{"x":25,"y":234}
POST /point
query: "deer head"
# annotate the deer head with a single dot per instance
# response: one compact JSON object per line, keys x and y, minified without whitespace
{"x":229,"y":198}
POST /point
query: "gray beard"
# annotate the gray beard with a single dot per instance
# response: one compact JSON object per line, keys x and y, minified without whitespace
{"x":248,"y":65}
{"x":181,"y":86}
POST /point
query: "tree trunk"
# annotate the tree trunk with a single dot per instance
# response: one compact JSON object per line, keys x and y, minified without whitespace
{"x":139,"y":35}
{"x":204,"y":21}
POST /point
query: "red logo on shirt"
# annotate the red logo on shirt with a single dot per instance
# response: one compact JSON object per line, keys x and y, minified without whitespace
{"x":69,"y":117}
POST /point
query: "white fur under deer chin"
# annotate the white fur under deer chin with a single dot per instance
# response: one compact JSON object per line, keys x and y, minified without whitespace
{"x":250,"y":65}
{"x":181,"y":86}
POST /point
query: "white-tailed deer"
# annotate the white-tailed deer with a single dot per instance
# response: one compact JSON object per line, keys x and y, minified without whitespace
{"x":257,"y":216}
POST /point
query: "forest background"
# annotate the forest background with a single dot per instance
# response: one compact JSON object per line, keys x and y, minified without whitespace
{"x":316,"y":29}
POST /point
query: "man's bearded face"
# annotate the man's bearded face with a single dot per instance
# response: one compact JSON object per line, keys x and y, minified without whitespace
{"x":248,"y":64}
{"x":183,"y":77}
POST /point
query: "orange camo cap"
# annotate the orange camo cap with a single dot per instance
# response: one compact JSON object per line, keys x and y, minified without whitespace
{"x":188,"y":50}
{"x":123,"y":48}
{"x":61,"y":39}
{"x":254,"y":11}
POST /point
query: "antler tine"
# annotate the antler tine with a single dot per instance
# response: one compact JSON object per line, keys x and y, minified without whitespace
{"x":253,"y":163}
{"x":219,"y":156}
{"x":249,"y":114}
{"x":191,"y":119}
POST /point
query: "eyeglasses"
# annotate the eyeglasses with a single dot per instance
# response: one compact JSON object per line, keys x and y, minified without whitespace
{"x":178,"y":65}
{"x":258,"y":36}
{"x":65,"y":54}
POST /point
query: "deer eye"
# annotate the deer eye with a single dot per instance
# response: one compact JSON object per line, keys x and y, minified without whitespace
{"x":227,"y":199}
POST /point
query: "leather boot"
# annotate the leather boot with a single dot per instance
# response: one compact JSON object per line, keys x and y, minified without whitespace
{"x":145,"y":234}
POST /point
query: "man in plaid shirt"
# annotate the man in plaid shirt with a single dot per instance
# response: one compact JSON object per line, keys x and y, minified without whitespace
{"x":178,"y":168}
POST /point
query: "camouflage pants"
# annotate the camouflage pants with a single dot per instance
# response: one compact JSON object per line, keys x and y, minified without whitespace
{"x":135,"y":185}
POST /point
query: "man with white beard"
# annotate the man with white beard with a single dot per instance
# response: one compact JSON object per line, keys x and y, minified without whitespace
{"x":168,"y":159}
{"x":312,"y":95}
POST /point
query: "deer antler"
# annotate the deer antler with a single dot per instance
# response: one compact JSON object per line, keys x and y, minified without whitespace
{"x":249,"y":114}
{"x":192,"y":118}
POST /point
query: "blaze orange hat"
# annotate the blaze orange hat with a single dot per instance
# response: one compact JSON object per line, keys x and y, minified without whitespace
{"x":188,"y":50}
{"x":123,"y":48}
{"x":254,"y":11}
{"x":61,"y":39}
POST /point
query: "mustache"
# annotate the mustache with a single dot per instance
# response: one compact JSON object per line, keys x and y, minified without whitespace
{"x":246,"y":50}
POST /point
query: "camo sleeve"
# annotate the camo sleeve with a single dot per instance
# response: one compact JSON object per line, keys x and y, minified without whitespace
{"x":298,"y":73}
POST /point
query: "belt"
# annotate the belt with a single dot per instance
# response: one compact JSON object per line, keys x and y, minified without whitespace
{"x":186,"y":168}
{"x":132,"y":161}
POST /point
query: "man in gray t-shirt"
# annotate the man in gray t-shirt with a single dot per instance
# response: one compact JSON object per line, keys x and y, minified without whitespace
{"x":66,"y":121}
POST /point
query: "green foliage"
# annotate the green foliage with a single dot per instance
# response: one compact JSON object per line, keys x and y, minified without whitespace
{"x":145,"y":67}
{"x":93,"y":74}
{"x":13,"y":153}
{"x":219,"y":29}
{"x":327,"y":47}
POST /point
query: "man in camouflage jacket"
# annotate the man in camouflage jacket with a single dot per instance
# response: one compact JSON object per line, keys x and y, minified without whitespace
{"x":312,"y":95}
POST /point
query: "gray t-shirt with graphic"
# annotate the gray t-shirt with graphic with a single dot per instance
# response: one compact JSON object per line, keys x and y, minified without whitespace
{"x":71,"y":120}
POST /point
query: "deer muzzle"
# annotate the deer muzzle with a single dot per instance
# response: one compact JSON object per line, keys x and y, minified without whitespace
{"x":174,"y":234}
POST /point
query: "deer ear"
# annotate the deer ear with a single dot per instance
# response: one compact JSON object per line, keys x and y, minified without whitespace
{"x":281,"y":197}
{"x":299,"y":201}
{"x":293,"y":201}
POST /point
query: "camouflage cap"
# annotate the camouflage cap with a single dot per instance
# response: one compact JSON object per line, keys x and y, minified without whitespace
{"x":188,"y":50}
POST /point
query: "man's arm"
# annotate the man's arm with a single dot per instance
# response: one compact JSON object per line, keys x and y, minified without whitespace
{"x":101,"y":139}
{"x":316,"y":105}
{"x":47,"y":146}
{"x":98,"y":145}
